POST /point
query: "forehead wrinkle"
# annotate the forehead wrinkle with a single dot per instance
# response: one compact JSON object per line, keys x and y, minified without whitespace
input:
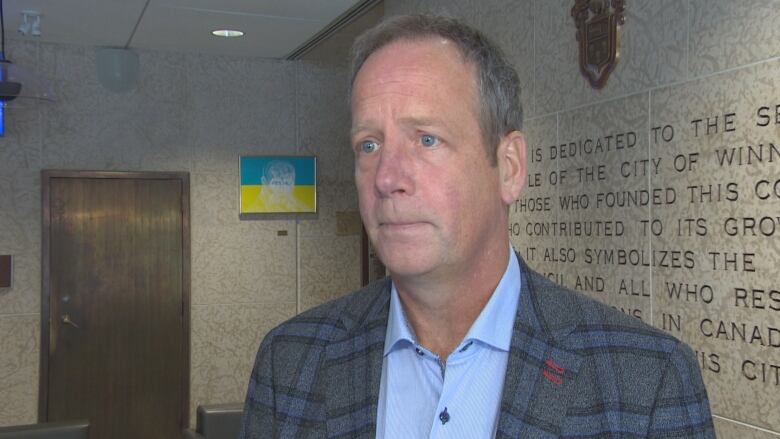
{"x":399,"y":85}
{"x":411,"y":121}
{"x":409,"y":112}
{"x":419,"y":121}
{"x":415,"y":109}
{"x":413,"y":115}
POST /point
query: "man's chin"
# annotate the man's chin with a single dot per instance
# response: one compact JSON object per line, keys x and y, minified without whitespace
{"x":408,"y":268}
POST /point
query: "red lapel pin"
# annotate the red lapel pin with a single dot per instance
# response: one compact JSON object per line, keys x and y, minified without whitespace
{"x":554,"y":372}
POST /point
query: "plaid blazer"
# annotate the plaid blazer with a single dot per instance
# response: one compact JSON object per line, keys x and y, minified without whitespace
{"x":576,"y":369}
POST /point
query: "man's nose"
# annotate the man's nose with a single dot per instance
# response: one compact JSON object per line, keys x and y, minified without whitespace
{"x":394,"y":173}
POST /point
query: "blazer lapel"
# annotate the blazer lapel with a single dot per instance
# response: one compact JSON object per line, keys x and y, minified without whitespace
{"x":541,"y":374}
{"x":353,"y":366}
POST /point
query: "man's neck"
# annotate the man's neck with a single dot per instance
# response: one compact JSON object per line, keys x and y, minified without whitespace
{"x":442,"y":310}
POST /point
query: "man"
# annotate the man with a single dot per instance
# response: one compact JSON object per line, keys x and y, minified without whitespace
{"x":463,"y":340}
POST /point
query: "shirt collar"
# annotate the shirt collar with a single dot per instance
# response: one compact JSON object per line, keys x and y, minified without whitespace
{"x":397,"y":328}
{"x":493,"y":325}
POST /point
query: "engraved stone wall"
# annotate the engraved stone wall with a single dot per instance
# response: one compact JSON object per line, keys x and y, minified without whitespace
{"x":721,"y":157}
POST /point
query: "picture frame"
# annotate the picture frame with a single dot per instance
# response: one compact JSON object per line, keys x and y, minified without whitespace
{"x":277,"y":184}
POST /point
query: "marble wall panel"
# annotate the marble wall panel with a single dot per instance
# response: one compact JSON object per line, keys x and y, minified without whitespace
{"x":324,"y":119}
{"x":247,"y":263}
{"x":241,"y":260}
{"x":21,"y":143}
{"x":331,"y":269}
{"x":19,"y":344}
{"x":20,"y":228}
{"x":73,"y":72}
{"x":239,"y":106}
{"x":723,"y":160}
{"x":537,"y":204}
{"x":725,"y":34}
{"x":225,"y":339}
{"x":23,"y":53}
{"x":20,"y":223}
{"x":146,"y":136}
{"x":509,"y":23}
{"x":604,"y":202}
{"x":728,"y":430}
{"x":163,"y":76}
{"x":214,"y":198}
{"x":90,"y":127}
{"x":653,"y":52}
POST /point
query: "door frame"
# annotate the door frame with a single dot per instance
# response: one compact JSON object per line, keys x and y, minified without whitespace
{"x":46,"y":177}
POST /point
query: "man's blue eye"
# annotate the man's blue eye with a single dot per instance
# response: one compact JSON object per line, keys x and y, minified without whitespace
{"x":428,"y":140}
{"x":369,"y":146}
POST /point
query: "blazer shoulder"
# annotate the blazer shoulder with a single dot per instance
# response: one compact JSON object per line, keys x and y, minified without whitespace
{"x":590,"y":318}
{"x":326,"y":322}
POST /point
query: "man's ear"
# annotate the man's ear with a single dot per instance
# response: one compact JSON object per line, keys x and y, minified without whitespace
{"x":511,"y":166}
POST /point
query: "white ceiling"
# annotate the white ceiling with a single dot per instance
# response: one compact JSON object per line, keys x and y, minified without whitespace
{"x":272,"y":28}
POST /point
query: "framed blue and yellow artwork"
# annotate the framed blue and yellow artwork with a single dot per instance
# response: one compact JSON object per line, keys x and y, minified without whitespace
{"x":278,"y":184}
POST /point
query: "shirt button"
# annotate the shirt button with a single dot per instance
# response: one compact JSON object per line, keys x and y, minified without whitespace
{"x":419,"y":351}
{"x":444,"y":417}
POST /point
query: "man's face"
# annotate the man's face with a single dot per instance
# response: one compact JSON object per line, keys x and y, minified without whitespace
{"x":430,"y":199}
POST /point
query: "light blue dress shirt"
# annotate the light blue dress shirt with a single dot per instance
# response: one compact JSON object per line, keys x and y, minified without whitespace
{"x":420,"y":397}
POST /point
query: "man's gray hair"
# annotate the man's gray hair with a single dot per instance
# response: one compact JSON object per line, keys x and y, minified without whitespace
{"x":499,"y":88}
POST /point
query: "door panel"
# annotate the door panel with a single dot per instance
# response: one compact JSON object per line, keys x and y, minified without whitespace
{"x":117,"y":263}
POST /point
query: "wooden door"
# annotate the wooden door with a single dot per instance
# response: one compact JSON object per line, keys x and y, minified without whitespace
{"x":115,"y":308}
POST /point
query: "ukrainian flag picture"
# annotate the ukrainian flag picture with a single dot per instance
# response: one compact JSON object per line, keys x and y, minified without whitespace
{"x":278,"y":184}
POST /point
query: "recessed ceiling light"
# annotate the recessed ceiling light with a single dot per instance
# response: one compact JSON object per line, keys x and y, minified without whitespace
{"x":227,"y":33}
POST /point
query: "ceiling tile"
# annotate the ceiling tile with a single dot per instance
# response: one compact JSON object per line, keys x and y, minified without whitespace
{"x":273,"y":28}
